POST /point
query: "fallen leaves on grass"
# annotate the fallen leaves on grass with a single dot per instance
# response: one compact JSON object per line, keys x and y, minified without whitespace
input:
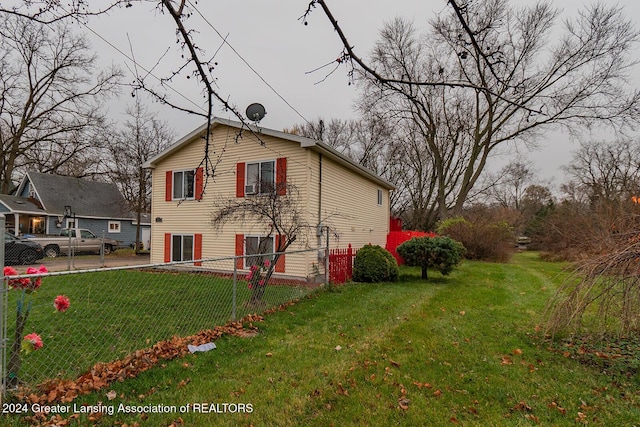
{"x":403,"y":402}
{"x":420,"y":385}
{"x":527,"y":410}
{"x":506,"y":360}
{"x":103,"y":374}
{"x":342,"y":391}
{"x":617,"y":356}
{"x":521,"y":407}
{"x":554,"y":405}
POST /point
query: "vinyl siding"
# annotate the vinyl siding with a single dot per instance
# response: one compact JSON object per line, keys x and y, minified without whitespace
{"x":191,"y":216}
{"x":350,"y":206}
{"x":349,"y":200}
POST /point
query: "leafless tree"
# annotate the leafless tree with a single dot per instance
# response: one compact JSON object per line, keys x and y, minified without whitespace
{"x":195,"y":63}
{"x":535,"y":203}
{"x":50,"y":99}
{"x":501,"y":80}
{"x":279,"y":210}
{"x":607,"y":170}
{"x":509,"y":185}
{"x":51,"y":11}
{"x":142,"y":136}
{"x":484,"y":74}
{"x":369,"y":141}
{"x":601,"y":295}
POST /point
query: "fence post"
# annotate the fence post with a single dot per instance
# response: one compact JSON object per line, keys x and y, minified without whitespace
{"x":235,"y":286}
{"x":327,"y":277}
{"x":102,"y":250}
{"x":349,"y":262}
{"x":3,"y":316}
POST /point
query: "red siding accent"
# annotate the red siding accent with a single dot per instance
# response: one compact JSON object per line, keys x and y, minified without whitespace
{"x":199,"y":183}
{"x":239,"y":250}
{"x":168,"y":195}
{"x":167,"y":247}
{"x":240,"y":167}
{"x":280,"y":242}
{"x":281,"y":176}
{"x":197,"y":248}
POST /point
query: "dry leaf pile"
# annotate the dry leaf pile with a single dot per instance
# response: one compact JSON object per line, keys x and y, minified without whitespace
{"x":103,"y":374}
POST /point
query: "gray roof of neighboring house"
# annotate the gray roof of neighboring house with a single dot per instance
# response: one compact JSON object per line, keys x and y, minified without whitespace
{"x":304,"y":142}
{"x":86,"y":198}
{"x":20,"y":205}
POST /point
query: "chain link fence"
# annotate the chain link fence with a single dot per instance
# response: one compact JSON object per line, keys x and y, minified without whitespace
{"x":80,"y":318}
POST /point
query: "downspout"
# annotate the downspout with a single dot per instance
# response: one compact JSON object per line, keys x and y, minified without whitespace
{"x":321,"y":227}
{"x":320,"y":189}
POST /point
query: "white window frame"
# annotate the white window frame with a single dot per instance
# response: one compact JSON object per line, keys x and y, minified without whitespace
{"x":175,"y":195}
{"x":380,"y":197}
{"x":182,"y":237}
{"x":117,"y":227}
{"x":71,"y":223}
{"x":258,"y":182}
{"x":31,"y":191}
{"x":246,"y":264}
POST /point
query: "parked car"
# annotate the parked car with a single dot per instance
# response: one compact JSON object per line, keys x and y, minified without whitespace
{"x":82,"y":241}
{"x":21,"y":251}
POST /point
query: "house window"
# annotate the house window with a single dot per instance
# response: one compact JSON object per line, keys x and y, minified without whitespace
{"x":379,"y":197}
{"x":71,"y":223}
{"x":182,"y":247}
{"x":256,"y":250}
{"x":114,"y":226}
{"x":260,"y":177}
{"x":184,"y":183}
{"x":32,"y":191}
{"x":37,"y":225}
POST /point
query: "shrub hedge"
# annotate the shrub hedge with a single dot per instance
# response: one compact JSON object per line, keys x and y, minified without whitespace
{"x":374,"y":264}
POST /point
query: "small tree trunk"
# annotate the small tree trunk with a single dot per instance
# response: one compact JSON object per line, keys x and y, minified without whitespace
{"x":424,"y":272}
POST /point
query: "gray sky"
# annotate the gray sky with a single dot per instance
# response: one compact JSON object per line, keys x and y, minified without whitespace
{"x":269,"y":36}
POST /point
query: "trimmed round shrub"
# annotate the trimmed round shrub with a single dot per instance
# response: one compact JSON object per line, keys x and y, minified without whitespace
{"x":374,"y":264}
{"x":440,"y":253}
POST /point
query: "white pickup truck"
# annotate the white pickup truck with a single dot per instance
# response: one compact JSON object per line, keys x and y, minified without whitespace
{"x":82,"y":240}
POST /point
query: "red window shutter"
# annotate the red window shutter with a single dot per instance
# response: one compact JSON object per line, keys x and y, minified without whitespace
{"x":281,"y":176}
{"x":240,"y":179}
{"x":280,"y":241}
{"x":168,"y":195}
{"x":199,"y":183}
{"x":197,"y":248}
{"x":167,"y":247}
{"x":239,"y":250}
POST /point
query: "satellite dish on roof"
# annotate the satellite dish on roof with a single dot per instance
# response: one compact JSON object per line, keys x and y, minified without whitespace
{"x":255,"y":112}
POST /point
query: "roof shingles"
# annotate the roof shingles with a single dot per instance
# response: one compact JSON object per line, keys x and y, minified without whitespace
{"x":86,"y":198}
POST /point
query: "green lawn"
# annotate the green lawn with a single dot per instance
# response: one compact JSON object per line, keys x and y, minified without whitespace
{"x":456,"y":350}
{"x":114,"y":313}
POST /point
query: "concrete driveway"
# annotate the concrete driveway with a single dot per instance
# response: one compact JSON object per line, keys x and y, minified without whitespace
{"x":86,"y":262}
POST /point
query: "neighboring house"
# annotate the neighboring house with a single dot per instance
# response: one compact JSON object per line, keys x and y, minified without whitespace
{"x":38,"y":208}
{"x":333,"y":191}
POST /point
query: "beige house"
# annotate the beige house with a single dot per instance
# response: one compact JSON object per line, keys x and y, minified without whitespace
{"x":333,"y":191}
